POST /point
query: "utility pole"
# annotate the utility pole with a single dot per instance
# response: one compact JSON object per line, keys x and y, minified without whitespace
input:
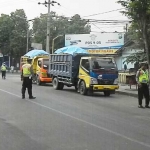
{"x":48,"y":28}
{"x":126,"y":32}
{"x":49,"y":3}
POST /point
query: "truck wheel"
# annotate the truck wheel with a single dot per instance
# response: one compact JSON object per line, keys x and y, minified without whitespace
{"x":55,"y":83}
{"x":61,"y":86}
{"x":107,"y":93}
{"x":82,"y":88}
{"x":38,"y":82}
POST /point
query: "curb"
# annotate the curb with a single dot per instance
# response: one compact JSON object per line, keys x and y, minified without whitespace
{"x":127,"y":94}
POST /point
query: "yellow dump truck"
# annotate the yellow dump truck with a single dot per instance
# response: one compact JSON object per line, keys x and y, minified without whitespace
{"x":40,"y":66}
{"x":86,"y":72}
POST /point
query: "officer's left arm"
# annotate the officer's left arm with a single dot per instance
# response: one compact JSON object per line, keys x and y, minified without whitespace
{"x":137,"y":77}
{"x":31,"y":69}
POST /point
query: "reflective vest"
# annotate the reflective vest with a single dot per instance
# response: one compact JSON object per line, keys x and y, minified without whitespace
{"x":26,"y":70}
{"x":3,"y":68}
{"x":143,"y":77}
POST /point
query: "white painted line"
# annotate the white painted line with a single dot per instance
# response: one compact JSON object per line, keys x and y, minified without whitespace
{"x":83,"y":121}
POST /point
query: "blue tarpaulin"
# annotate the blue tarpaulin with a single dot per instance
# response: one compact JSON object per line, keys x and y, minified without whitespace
{"x":71,"y":50}
{"x":34,"y":53}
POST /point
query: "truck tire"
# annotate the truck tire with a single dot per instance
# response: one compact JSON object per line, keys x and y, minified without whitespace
{"x":61,"y":86}
{"x":107,"y":93}
{"x":56,"y":84}
{"x":82,"y":88}
{"x":38,"y":82}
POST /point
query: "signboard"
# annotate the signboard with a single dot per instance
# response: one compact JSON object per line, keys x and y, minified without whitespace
{"x":102,"y":51}
{"x":101,"y":43}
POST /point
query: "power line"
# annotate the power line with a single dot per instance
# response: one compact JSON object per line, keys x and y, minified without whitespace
{"x":103,"y":12}
{"x":98,"y":27}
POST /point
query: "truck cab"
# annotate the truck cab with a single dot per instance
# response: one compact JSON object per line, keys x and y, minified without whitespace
{"x":40,"y":70}
{"x":98,"y":74}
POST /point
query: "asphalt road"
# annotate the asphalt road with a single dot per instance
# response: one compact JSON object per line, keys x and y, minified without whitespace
{"x":66,"y":120}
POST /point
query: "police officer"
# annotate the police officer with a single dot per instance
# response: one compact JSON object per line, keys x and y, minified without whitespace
{"x":27,"y":80}
{"x":142,"y":78}
{"x":3,"y":70}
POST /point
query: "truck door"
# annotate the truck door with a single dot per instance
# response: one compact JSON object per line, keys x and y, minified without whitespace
{"x":84,"y":71}
{"x":39,"y":65}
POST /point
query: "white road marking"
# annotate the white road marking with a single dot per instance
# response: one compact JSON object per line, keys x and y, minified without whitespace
{"x":83,"y":121}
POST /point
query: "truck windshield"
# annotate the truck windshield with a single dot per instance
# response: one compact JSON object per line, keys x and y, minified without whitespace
{"x":103,"y":64}
{"x":45,"y":64}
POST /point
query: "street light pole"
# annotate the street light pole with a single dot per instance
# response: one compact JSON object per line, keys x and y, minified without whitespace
{"x":27,"y":46}
{"x":27,"y":40}
{"x":53,"y":42}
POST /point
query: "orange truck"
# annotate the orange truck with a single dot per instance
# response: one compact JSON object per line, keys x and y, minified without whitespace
{"x":40,"y":66}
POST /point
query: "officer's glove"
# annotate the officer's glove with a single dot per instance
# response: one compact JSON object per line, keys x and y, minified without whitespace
{"x":139,"y":84}
{"x":30,"y":77}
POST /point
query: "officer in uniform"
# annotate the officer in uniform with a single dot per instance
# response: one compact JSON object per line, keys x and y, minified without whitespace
{"x":27,"y":80}
{"x":142,"y":78}
{"x":3,"y":70}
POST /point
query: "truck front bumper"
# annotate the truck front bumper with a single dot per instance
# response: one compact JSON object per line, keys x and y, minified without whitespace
{"x":104,"y":87}
{"x":46,"y":80}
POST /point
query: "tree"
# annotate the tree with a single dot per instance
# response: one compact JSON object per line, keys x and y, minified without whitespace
{"x":136,"y":57}
{"x":60,"y":25}
{"x":19,"y":34}
{"x":5,"y":33}
{"x":78,"y":25}
{"x":13,"y":34}
{"x":139,"y":12}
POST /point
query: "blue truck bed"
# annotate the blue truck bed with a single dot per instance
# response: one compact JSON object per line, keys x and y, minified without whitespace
{"x":65,"y":65}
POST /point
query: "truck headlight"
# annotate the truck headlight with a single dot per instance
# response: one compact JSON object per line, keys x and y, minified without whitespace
{"x":93,"y":81}
{"x":116,"y":81}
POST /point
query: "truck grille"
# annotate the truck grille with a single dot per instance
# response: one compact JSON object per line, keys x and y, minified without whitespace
{"x":105,"y":82}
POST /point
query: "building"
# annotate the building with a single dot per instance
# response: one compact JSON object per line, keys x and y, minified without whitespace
{"x":129,"y":48}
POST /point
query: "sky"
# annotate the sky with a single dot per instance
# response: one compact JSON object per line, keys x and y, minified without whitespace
{"x":71,"y":7}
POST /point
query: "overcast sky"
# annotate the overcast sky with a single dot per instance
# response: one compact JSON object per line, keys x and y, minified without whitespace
{"x":69,"y":8}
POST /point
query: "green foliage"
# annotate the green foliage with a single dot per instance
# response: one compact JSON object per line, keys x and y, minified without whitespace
{"x":136,"y":57}
{"x":60,"y":25}
{"x":139,"y":12}
{"x":13,"y":31}
{"x":5,"y":33}
{"x":19,"y":34}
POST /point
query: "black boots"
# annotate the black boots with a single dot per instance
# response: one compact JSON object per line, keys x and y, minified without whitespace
{"x":23,"y":93}
{"x":32,"y":97}
{"x":29,"y":92}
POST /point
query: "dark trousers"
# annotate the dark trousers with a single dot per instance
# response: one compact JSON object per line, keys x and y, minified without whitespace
{"x":27,"y":83}
{"x":143,"y":91}
{"x":3,"y":74}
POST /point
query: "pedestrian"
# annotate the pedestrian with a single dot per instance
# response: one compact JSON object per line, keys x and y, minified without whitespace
{"x":142,"y":79}
{"x":3,"y":70}
{"x":27,"y":80}
{"x":12,"y":69}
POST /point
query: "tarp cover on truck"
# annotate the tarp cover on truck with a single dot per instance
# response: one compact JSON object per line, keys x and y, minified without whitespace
{"x":71,"y":50}
{"x":35,"y":53}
